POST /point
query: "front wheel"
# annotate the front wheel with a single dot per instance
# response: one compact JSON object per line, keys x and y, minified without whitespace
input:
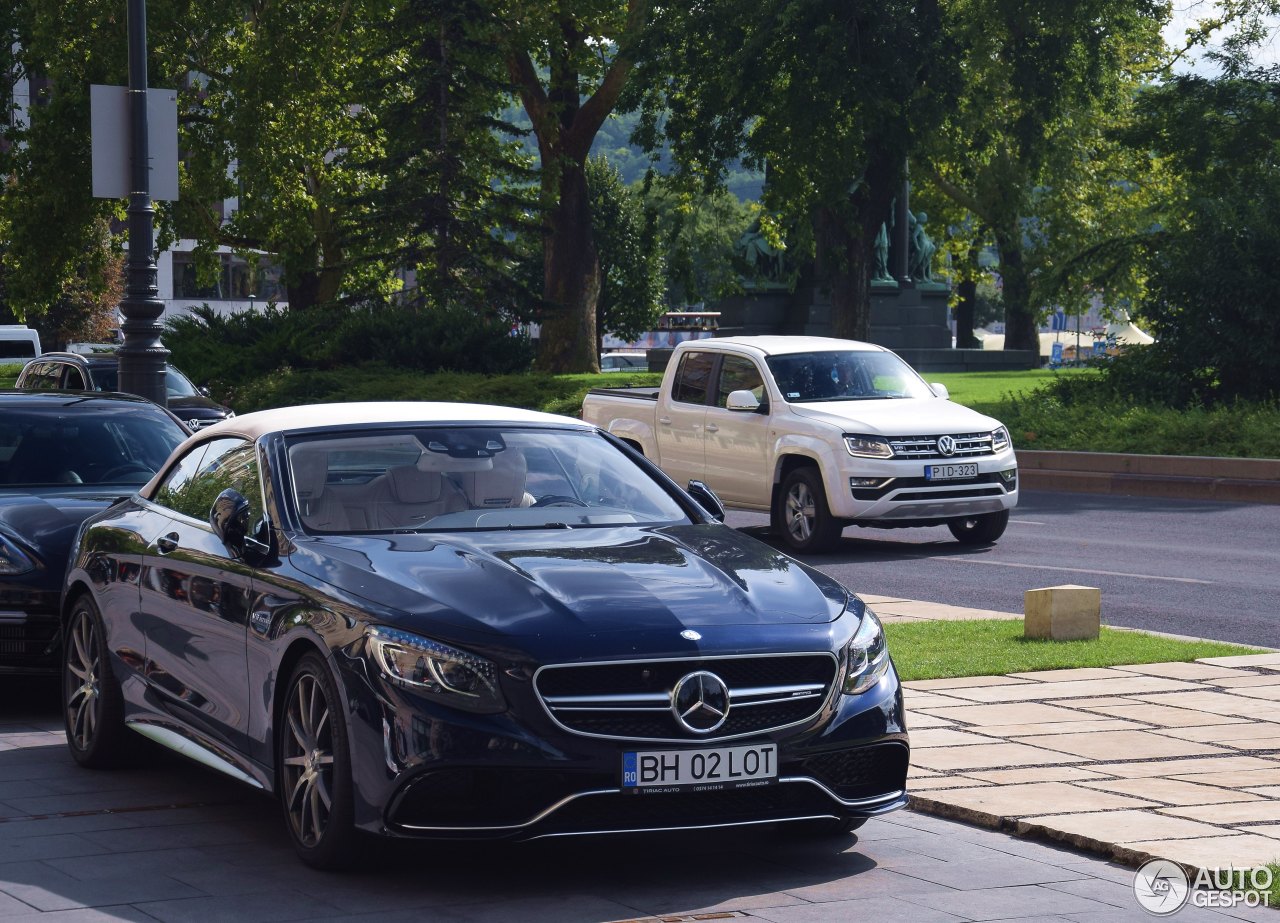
{"x":315,"y":768}
{"x":979,"y":530}
{"x":93,"y":706}
{"x":801,"y":515}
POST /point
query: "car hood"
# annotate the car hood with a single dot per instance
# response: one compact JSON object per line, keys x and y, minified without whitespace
{"x":549,"y":583}
{"x":198,"y":407}
{"x":47,"y":525}
{"x":897,"y":416}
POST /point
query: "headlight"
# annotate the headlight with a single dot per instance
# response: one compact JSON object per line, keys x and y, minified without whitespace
{"x":868,"y":656}
{"x":999,"y":439}
{"x":868,"y":446}
{"x":13,"y":560}
{"x":454,"y":677}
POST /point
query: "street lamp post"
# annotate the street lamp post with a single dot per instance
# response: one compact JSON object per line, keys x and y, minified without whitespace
{"x":142,"y":355}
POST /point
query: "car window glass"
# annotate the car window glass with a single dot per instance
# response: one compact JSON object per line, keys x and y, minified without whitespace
{"x":226,"y":463}
{"x":177,"y":385}
{"x":74,"y":380}
{"x":172,"y":488}
{"x":739,"y":374}
{"x":690,"y":385}
{"x":46,"y":447}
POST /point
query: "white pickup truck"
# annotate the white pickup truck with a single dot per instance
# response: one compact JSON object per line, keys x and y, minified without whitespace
{"x":823,"y":434}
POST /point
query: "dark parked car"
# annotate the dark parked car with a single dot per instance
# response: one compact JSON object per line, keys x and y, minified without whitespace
{"x":100,"y":371}
{"x":63,"y":457}
{"x":458,"y":621}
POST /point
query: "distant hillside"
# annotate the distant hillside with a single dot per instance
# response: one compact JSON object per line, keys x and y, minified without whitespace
{"x":614,"y":142}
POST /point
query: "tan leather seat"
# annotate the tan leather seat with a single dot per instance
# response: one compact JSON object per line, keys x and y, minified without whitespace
{"x":500,"y":487}
{"x":320,"y":508}
{"x":411,"y":497}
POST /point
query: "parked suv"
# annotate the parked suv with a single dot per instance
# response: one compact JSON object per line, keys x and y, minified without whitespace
{"x":100,"y":371}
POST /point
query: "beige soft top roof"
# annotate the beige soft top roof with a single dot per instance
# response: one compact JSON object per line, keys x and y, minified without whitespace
{"x":324,"y":416}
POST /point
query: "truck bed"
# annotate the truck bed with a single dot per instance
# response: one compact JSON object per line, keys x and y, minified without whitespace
{"x":641,"y":394}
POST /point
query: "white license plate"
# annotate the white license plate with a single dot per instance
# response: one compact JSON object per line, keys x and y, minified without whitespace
{"x":719,"y":767}
{"x":950,"y":472}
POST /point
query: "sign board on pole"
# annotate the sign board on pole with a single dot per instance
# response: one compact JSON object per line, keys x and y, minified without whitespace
{"x":109,"y":125}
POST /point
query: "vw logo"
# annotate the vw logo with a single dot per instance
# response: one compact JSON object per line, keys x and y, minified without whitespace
{"x":700,"y":702}
{"x":690,"y":635}
{"x":946,"y":445}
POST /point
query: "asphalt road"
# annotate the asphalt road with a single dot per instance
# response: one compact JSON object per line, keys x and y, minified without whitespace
{"x":1211,"y":570}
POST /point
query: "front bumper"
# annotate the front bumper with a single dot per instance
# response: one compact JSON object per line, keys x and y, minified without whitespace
{"x":30,"y":629}
{"x":896,"y":490}
{"x":443,"y":774}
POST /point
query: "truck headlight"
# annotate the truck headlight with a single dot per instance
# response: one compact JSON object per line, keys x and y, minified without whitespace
{"x":13,"y":560}
{"x":867,"y":656}
{"x":868,"y":446}
{"x":453,"y":677}
{"x":999,"y":439}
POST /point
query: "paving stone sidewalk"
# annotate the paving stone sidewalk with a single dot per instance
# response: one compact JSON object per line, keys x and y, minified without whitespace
{"x":1176,"y":760}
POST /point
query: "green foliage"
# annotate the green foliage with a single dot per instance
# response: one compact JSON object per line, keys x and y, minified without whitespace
{"x":631,"y":271}
{"x":937,"y":650}
{"x":229,"y":352}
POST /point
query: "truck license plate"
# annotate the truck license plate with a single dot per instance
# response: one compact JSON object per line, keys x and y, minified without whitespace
{"x":950,"y":472}
{"x":713,"y":768}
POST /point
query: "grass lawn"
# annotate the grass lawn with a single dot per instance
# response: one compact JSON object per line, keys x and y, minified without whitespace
{"x":987,"y":388}
{"x":936,"y":650}
{"x":9,"y":374}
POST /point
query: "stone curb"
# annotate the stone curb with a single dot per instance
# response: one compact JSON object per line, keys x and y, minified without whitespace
{"x":1174,"y":477}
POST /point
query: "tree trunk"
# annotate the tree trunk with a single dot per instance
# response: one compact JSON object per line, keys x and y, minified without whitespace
{"x":571,"y":280}
{"x":851,"y":294}
{"x":967,"y":308}
{"x":1020,"y":330}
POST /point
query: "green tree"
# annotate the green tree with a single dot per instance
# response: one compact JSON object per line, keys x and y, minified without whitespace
{"x":830,"y":96}
{"x":1036,"y":78}
{"x":630,"y":261}
{"x":570,"y":62}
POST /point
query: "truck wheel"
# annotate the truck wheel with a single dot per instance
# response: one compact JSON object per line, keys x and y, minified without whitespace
{"x":979,"y":530}
{"x":801,"y":515}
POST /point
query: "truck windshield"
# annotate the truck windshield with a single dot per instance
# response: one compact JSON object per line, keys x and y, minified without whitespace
{"x":847,"y":375}
{"x":468,"y":478}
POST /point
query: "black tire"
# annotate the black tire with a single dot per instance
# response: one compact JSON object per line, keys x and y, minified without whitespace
{"x":801,"y":516}
{"x":314,"y":763}
{"x":979,"y":530}
{"x":92,"y":704}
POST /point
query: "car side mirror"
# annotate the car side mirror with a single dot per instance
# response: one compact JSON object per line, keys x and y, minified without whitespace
{"x":203,"y":390}
{"x":707,"y":499}
{"x":742,"y":400}
{"x":940,"y":390}
{"x":229,"y":519}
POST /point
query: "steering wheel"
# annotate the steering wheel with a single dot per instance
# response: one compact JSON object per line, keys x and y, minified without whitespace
{"x":127,"y":468}
{"x":559,"y":500}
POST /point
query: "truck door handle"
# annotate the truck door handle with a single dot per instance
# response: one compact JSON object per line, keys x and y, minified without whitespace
{"x":665,"y":421}
{"x":712,"y":428}
{"x":167,"y":543}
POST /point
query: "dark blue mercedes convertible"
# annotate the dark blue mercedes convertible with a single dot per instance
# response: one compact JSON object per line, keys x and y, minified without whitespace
{"x":457,"y":621}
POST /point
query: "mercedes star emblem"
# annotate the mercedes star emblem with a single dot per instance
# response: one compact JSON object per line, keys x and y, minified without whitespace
{"x":700,"y":702}
{"x":946,"y":446}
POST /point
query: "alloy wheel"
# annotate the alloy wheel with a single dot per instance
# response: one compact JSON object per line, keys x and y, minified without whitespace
{"x":800,"y":511}
{"x":308,"y":760}
{"x":82,"y":678}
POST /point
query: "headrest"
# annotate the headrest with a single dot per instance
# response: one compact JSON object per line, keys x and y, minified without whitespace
{"x":310,"y":472}
{"x":503,"y":485}
{"x":413,"y":485}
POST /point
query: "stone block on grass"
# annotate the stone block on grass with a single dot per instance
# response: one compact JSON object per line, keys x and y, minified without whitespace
{"x":1062,"y":613}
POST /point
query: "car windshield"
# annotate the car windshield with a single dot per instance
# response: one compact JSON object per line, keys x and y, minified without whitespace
{"x":81,"y":445}
{"x":466,"y":478}
{"x":847,"y":375}
{"x":107,"y":378}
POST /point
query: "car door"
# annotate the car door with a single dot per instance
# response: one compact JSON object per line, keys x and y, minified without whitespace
{"x":679,"y":423}
{"x":737,"y":440}
{"x":195,"y":597}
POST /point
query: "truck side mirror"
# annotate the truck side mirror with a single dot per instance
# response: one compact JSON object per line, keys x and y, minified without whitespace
{"x":742,"y":400}
{"x":940,"y":389}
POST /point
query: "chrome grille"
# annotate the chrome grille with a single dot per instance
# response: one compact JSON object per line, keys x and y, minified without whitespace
{"x":967,"y":446}
{"x":631,"y":700}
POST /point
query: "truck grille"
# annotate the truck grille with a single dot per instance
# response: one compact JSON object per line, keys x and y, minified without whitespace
{"x":968,"y":445}
{"x":633,"y":700}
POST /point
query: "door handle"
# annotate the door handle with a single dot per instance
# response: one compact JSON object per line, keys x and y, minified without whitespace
{"x":167,"y":543}
{"x":665,"y":421}
{"x":712,"y":428}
